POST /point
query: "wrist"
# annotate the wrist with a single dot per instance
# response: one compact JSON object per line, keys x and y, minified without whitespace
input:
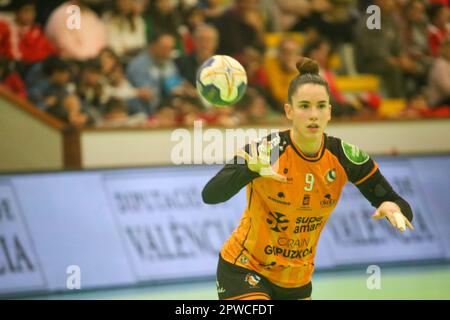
{"x":391,"y":205}
{"x":252,"y":173}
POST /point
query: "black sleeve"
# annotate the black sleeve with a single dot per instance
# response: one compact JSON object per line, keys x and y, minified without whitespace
{"x":363,"y":172}
{"x":376,"y":189}
{"x":357,"y":164}
{"x":228,"y":181}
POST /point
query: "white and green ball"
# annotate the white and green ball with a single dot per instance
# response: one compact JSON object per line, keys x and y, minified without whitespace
{"x":221,"y":80}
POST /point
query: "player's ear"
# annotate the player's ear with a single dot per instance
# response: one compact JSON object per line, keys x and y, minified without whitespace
{"x":288,"y":110}
{"x":329,"y":111}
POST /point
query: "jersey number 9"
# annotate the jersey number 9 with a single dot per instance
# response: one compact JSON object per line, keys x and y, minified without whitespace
{"x":309,"y":180}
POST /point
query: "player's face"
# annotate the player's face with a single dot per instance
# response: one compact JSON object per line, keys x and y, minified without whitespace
{"x":310,"y":110}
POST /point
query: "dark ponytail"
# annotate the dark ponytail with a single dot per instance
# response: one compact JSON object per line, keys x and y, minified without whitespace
{"x":308,"y":70}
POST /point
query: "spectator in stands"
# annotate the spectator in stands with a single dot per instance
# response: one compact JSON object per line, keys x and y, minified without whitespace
{"x":115,"y":115}
{"x":414,"y":29}
{"x":116,"y":83}
{"x":205,"y":42}
{"x":21,"y":39}
{"x":417,"y":59}
{"x":91,"y":89}
{"x":54,"y":95}
{"x":119,"y":87}
{"x":108,"y":60}
{"x":164,"y":117}
{"x":416,"y":107}
{"x":139,"y":7}
{"x":125,"y":30}
{"x":253,"y":62}
{"x":192,"y":19}
{"x":35,"y":72}
{"x":212,"y":10}
{"x":252,"y":108}
{"x":76,"y":39}
{"x":155,"y":73}
{"x":343,"y":104}
{"x":439,"y":27}
{"x":282,"y":70}
{"x":240,"y":26}
{"x":313,"y":21}
{"x":10,"y":78}
{"x":284,"y":14}
{"x":53,"y":88}
{"x":334,"y":20}
{"x":378,"y":51}
{"x":188,"y":110}
{"x":163,"y":17}
{"x":439,"y":78}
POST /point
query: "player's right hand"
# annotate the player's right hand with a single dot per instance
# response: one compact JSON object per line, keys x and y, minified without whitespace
{"x":259,"y":161}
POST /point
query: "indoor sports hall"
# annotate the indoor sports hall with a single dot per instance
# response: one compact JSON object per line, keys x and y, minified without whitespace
{"x":115,"y":114}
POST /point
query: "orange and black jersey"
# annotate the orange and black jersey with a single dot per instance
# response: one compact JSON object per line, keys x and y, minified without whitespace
{"x":279,"y":230}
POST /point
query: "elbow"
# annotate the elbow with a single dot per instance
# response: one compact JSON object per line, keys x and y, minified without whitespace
{"x":213,"y":197}
{"x":208,"y":197}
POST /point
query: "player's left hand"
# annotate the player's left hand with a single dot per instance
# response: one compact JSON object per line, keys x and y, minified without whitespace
{"x":392,"y":212}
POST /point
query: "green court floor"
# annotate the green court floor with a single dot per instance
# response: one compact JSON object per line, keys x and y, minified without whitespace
{"x":412,"y":282}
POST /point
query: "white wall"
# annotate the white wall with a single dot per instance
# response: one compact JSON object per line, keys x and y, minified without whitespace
{"x":26,"y":143}
{"x":107,"y":148}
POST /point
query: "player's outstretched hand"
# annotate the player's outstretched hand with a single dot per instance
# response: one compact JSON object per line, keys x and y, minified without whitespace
{"x":259,"y":161}
{"x":392,"y":212}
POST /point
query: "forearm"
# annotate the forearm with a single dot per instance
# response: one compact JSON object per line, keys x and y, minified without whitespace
{"x":377,"y":190}
{"x":227,"y":182}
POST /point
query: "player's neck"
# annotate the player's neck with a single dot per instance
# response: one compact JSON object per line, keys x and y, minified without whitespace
{"x":309,"y":147}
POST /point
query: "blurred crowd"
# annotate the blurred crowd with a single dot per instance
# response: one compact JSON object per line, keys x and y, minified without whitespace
{"x":114,"y":63}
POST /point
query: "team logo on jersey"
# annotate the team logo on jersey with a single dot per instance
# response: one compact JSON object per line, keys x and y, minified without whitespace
{"x":354,"y":154}
{"x":252,"y":279}
{"x":330,"y":176}
{"x":306,"y":200}
{"x":277,"y":218}
{"x":305,"y":203}
{"x":243,"y":259}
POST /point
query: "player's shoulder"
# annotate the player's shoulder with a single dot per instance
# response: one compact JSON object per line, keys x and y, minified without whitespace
{"x":346,"y":151}
{"x":333,"y":144}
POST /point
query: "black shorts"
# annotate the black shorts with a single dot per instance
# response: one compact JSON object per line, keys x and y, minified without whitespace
{"x":234,"y":283}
